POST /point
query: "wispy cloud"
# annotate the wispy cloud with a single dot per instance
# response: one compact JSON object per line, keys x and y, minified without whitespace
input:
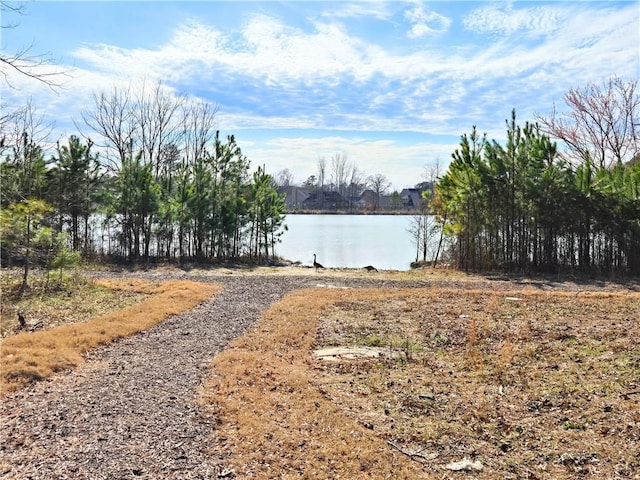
{"x":373,"y":9}
{"x":278,"y":55}
{"x":504,"y":19}
{"x":425,"y":22}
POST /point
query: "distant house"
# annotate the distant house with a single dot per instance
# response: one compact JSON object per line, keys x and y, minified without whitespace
{"x":370,"y":200}
{"x":356,"y":203}
{"x":294,"y":197}
{"x":412,"y":198}
{"x":325,"y":201}
{"x":373,"y":202}
{"x":385,"y":202}
{"x":300,"y":198}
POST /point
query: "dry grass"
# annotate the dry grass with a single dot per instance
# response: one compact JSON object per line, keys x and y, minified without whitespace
{"x":537,"y":385}
{"x":31,"y":356}
{"x":275,"y":421}
{"x":46,"y":304}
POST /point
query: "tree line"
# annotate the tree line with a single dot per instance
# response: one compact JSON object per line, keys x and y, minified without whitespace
{"x":161,"y":182}
{"x":527,"y":206}
{"x":341,"y":175}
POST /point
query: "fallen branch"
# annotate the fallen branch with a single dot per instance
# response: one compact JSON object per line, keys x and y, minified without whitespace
{"x":637,"y":392}
{"x":413,"y":455}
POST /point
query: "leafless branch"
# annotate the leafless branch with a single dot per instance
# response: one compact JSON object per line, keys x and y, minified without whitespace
{"x":150,"y":122}
{"x":413,"y":454}
{"x":11,"y":8}
{"x":22,"y":123}
{"x":25,"y":62}
{"x":601,"y":122}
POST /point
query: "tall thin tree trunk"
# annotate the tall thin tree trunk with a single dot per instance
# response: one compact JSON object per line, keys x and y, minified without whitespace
{"x":435,"y":260}
{"x":27,"y":254}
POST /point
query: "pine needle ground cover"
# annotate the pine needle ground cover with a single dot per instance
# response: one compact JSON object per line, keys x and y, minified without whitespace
{"x":31,"y":356}
{"x":522,"y":384}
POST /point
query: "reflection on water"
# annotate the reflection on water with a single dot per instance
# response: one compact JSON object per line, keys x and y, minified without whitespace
{"x":350,"y":241}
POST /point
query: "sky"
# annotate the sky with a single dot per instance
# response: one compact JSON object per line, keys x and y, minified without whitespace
{"x":391,"y":85}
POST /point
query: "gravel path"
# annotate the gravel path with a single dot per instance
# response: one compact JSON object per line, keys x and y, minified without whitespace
{"x":130,"y":412}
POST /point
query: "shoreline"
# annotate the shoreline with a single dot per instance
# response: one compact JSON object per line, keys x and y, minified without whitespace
{"x":333,"y":212}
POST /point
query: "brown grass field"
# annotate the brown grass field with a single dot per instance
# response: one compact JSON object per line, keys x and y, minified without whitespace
{"x":524,"y":383}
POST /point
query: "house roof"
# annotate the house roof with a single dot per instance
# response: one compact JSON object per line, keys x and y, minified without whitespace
{"x":412,"y":196}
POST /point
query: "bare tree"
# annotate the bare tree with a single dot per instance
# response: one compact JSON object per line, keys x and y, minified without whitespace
{"x":424,"y":228}
{"x":601,"y":124}
{"x":424,"y":232}
{"x":340,"y":169}
{"x":379,"y":184}
{"x":432,"y":172}
{"x":356,"y":183}
{"x":147,"y":121}
{"x":430,"y":177}
{"x":9,"y":121}
{"x":112,"y":118}
{"x":322,"y":171}
{"x":284,"y":178}
{"x":25,"y":62}
{"x":21,"y":123}
{"x":25,"y":137}
{"x":199,"y":120}
{"x":157,"y":124}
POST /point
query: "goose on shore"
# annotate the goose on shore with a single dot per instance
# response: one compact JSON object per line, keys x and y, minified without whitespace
{"x":370,"y":268}
{"x":316,"y":265}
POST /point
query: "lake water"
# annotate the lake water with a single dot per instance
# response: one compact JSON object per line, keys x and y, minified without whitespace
{"x":349,"y":241}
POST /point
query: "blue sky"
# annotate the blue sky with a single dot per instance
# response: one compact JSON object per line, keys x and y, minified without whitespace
{"x":392,"y":85}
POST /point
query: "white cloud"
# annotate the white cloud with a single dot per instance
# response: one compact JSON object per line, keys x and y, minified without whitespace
{"x":284,"y":54}
{"x":328,"y":57}
{"x":371,"y":9}
{"x":501,"y":19}
{"x":425,"y":22}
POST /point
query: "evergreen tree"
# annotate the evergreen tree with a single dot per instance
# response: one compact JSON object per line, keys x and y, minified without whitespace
{"x":268,"y":214}
{"x":25,"y":235}
{"x":23,"y":172}
{"x":463,"y":198}
{"x":136,"y":204}
{"x":74,"y":180}
{"x":522,"y":206}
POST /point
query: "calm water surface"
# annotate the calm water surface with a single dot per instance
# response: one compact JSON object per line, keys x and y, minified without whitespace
{"x":349,"y":241}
